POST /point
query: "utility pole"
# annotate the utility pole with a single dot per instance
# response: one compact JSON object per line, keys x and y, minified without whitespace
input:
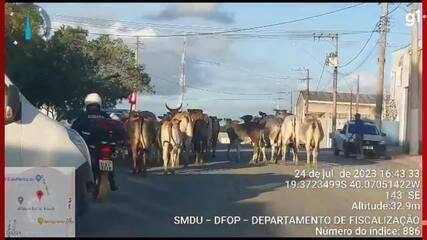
{"x":307,"y":78}
{"x":351,"y":102}
{"x":137,"y":50}
{"x":414,"y":94}
{"x":333,"y":62}
{"x":182,"y":78}
{"x":133,"y":106}
{"x":357,"y":94}
{"x":381,"y":62}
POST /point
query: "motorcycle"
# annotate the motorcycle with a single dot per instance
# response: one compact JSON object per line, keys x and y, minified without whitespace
{"x":107,"y":133}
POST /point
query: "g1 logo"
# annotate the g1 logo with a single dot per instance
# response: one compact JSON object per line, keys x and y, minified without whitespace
{"x":412,"y":17}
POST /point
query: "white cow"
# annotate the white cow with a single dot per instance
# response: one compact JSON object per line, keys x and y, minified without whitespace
{"x":297,"y":132}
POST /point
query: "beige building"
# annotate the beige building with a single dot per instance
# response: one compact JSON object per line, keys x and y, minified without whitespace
{"x":321,"y":102}
{"x":400,"y":75}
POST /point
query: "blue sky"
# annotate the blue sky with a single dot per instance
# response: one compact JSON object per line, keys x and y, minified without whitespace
{"x":233,"y":76}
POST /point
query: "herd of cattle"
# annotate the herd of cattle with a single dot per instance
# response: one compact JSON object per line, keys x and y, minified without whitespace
{"x":171,"y":139}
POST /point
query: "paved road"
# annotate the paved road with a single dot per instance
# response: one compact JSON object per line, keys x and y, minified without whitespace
{"x":147,"y":206}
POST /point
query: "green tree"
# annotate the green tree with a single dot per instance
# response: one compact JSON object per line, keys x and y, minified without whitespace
{"x":389,"y":109}
{"x":56,"y":74}
{"x":118,"y":73}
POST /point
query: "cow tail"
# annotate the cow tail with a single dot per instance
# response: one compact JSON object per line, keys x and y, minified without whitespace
{"x":171,"y":138}
{"x":141,"y":123}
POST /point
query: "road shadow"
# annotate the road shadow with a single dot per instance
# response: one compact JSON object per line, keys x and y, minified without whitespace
{"x":147,"y":206}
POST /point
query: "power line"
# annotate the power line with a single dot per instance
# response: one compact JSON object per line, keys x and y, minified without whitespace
{"x":321,"y":75}
{"x":363,"y":47}
{"x":232,"y":67}
{"x":370,"y":36}
{"x":213,"y":91}
{"x":253,"y":28}
{"x":363,"y":62}
{"x":103,"y":22}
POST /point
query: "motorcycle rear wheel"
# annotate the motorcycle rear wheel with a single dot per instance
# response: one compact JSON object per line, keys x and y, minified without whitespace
{"x":103,"y":187}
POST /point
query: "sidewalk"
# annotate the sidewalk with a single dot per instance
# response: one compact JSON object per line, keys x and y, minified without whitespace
{"x":398,"y":156}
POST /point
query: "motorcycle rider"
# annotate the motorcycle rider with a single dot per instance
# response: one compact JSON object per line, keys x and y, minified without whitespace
{"x":85,"y":125}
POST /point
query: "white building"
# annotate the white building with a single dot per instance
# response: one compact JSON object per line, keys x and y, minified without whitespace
{"x":321,"y":102}
{"x":400,"y":75}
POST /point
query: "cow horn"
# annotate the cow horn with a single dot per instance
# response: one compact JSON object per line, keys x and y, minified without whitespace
{"x":168,"y":108}
{"x":173,"y":109}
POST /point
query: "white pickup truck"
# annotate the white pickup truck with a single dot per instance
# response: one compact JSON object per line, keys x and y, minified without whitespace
{"x":343,"y":140}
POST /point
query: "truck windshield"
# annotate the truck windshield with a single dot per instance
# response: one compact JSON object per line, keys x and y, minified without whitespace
{"x":367,"y":129}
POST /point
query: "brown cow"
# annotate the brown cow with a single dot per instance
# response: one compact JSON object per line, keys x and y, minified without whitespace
{"x":272,"y":125}
{"x":213,"y":133}
{"x":171,"y":141}
{"x":200,"y":140}
{"x":248,"y":129}
{"x":142,"y":131}
{"x":186,"y":128}
{"x":200,"y":123}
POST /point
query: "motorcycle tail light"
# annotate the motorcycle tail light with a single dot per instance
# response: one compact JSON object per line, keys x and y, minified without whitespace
{"x":106,"y":153}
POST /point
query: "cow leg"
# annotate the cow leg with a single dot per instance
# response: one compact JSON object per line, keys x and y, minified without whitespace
{"x":279,"y":147}
{"x":205,"y":147}
{"x":174,"y":158}
{"x":284,"y":151}
{"x":145,"y":154}
{"x":138,"y":160}
{"x":159,"y":155}
{"x":254,"y":155}
{"x":257,"y":153}
{"x":296,"y":152}
{"x":309,"y":153}
{"x":258,"y":156}
{"x":228,"y":151}
{"x":196,"y":146}
{"x":177,"y":153}
{"x":294,"y":155}
{"x":199,"y":158}
{"x":238,"y":151}
{"x":205,"y":143}
{"x":213,"y":148}
{"x":315,"y":153}
{"x":165,"y":149}
{"x":187,"y":147}
{"x":134,"y":157}
{"x":264,"y":155}
{"x":273,"y":149}
{"x":140,"y":164}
